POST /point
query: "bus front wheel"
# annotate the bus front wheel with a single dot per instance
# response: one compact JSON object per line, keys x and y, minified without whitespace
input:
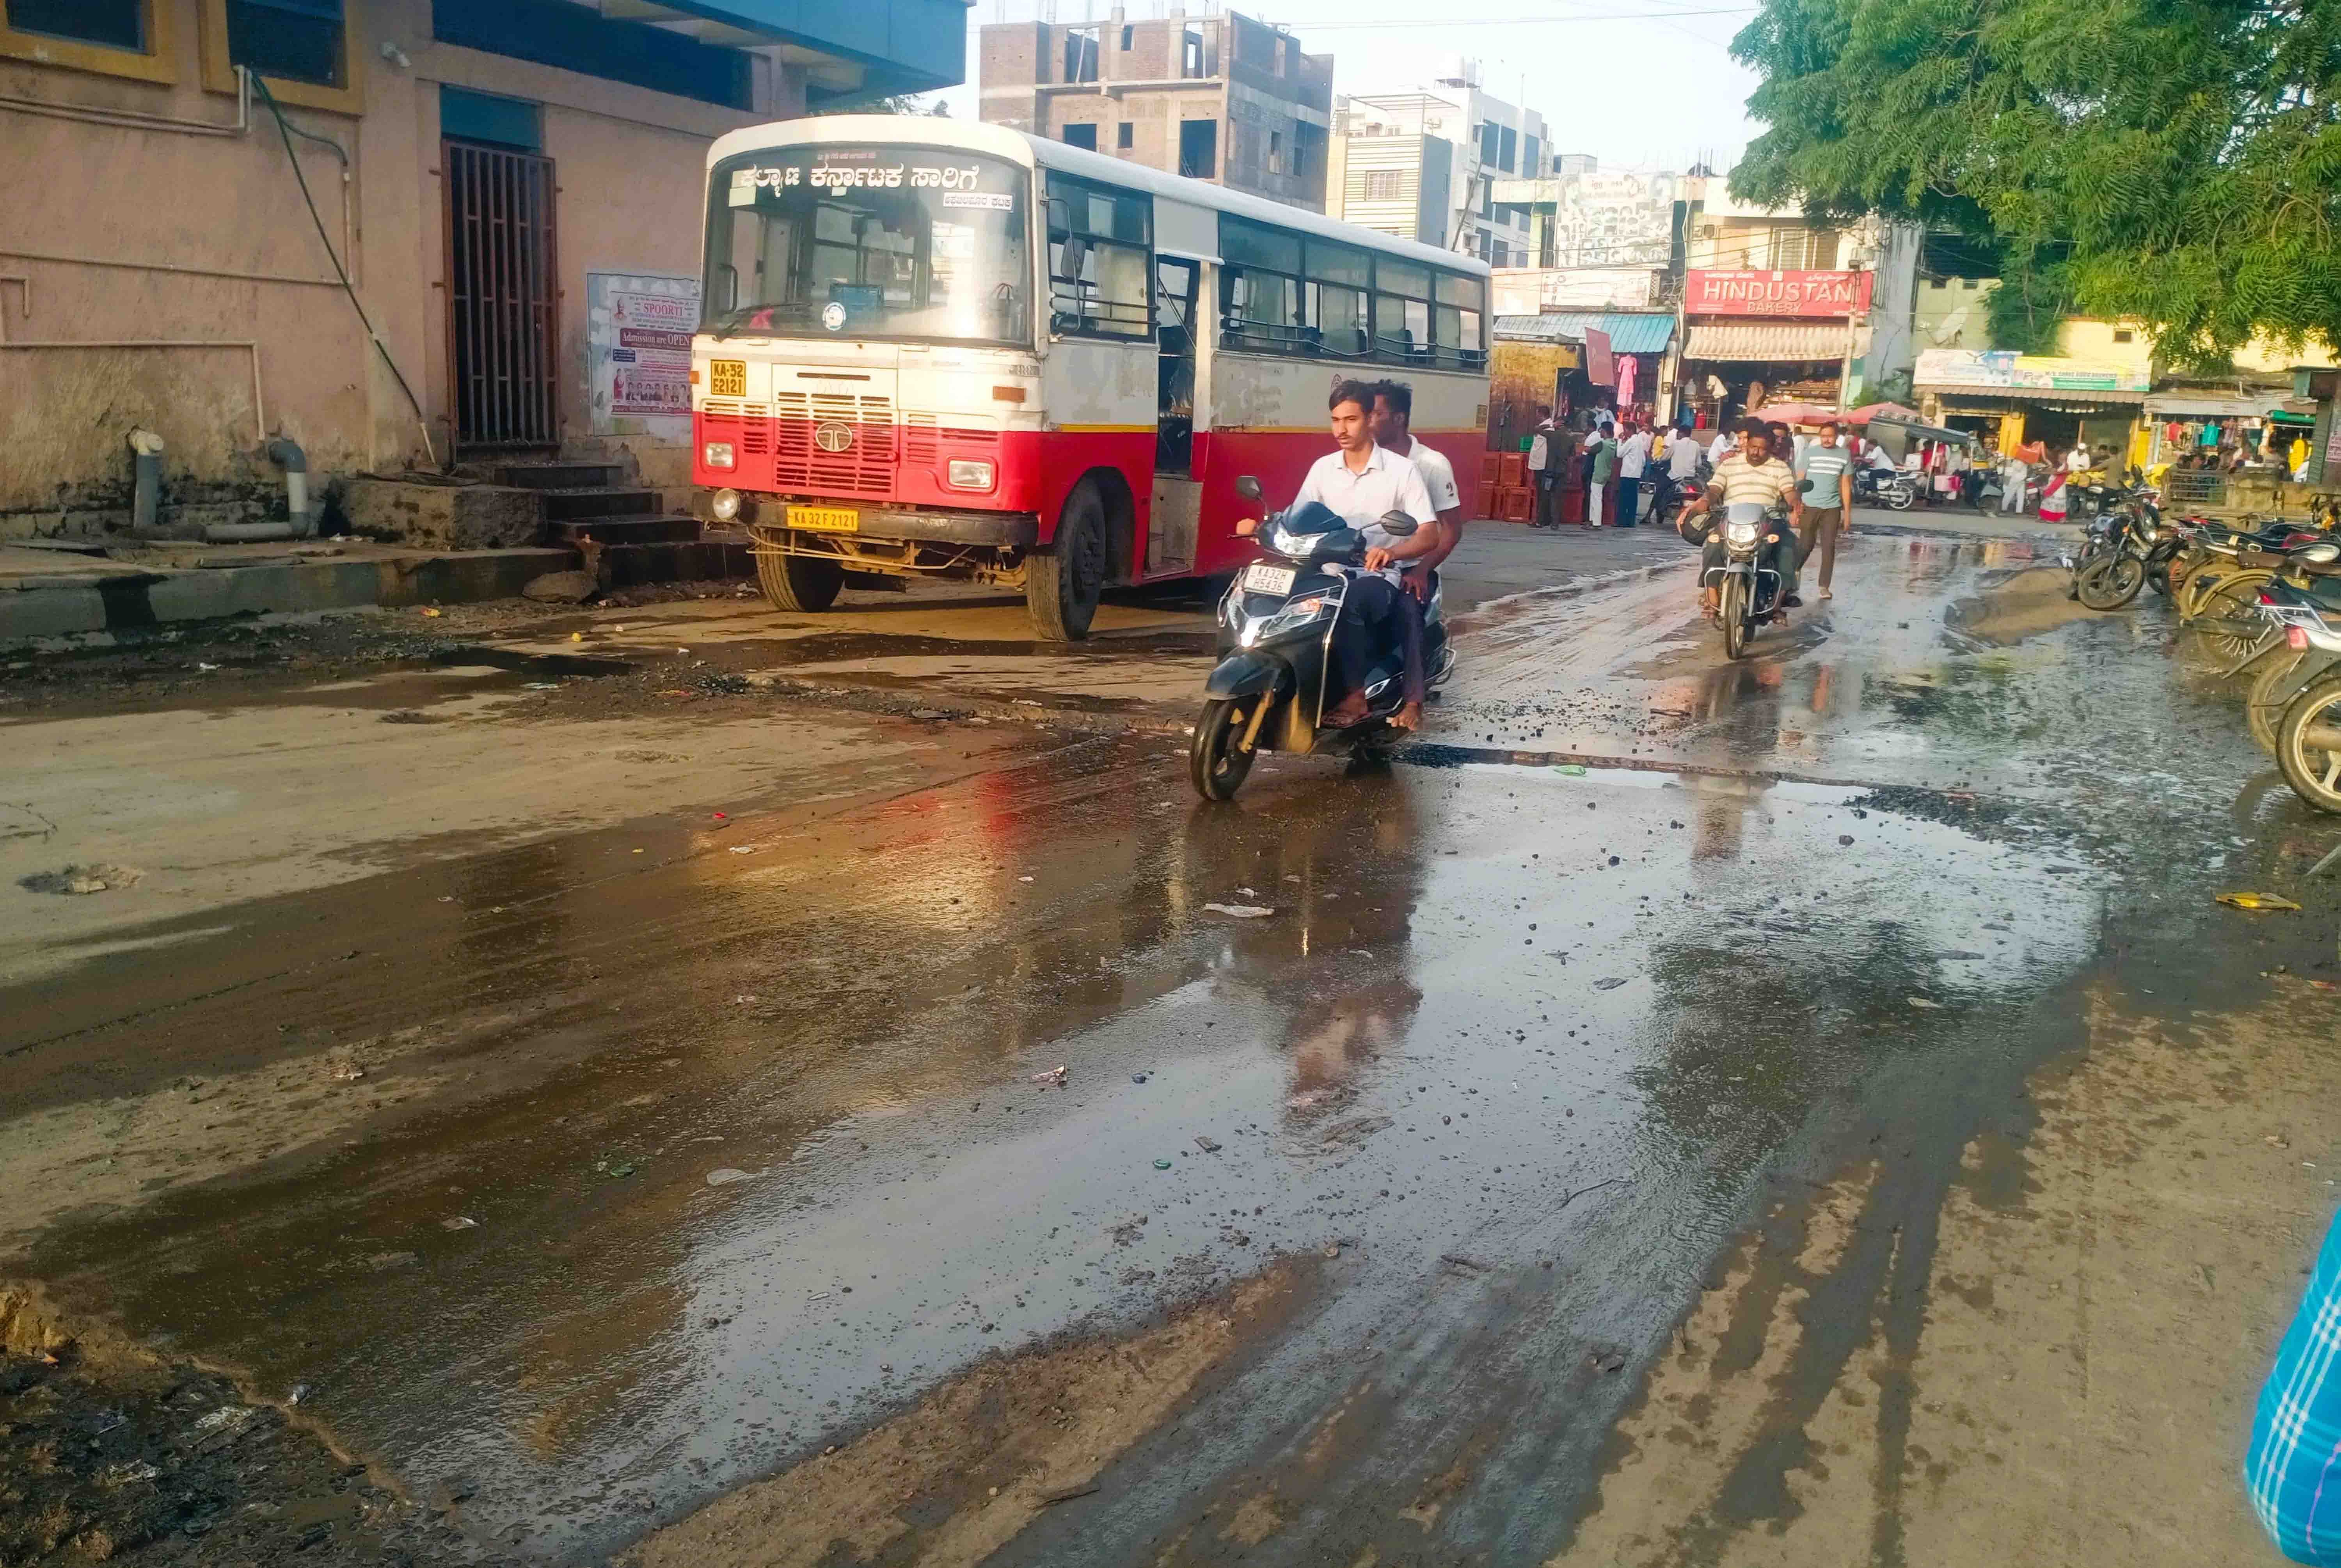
{"x":1063,"y":583}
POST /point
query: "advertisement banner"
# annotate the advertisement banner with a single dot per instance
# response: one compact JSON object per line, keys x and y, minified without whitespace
{"x":1600,"y":365}
{"x":2002,"y":370}
{"x":1792,"y":294}
{"x":638,"y":349}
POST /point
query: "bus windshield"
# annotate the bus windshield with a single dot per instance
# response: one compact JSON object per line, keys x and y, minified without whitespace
{"x":924,"y":244}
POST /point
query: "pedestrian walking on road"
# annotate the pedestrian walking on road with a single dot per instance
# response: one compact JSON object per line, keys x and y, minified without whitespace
{"x":1826,"y":470}
{"x":1601,"y":469}
{"x":1633,"y":462}
{"x":2293,"y":1463}
{"x":1680,"y":473}
{"x":1549,"y":461}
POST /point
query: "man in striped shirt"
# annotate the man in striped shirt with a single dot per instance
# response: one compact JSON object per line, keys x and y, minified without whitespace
{"x":2294,"y":1466}
{"x":1751,"y":474}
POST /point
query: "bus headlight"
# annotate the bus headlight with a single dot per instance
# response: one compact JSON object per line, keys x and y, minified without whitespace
{"x":724,"y":505}
{"x":967,"y":474}
{"x":716,"y":454}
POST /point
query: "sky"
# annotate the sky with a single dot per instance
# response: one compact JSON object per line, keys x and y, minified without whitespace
{"x":1635,"y":85}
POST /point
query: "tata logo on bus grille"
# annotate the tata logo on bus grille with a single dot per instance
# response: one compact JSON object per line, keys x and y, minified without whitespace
{"x":833,"y":435}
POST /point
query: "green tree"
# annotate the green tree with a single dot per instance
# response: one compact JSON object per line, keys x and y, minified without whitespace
{"x":2177,"y":161}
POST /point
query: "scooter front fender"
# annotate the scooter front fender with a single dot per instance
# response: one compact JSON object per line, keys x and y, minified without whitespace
{"x":1248,"y":674}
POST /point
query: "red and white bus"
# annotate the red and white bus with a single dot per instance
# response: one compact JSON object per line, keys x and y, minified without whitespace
{"x":929,"y":348}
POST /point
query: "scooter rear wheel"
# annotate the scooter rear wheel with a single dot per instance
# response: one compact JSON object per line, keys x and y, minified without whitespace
{"x":1216,"y":763}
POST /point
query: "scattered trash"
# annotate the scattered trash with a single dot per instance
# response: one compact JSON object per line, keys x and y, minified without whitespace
{"x":723,"y":817}
{"x":1162,"y":1164}
{"x":542,"y":686}
{"x":460,"y":1222}
{"x":1023,"y":879}
{"x":407,"y":716}
{"x":727,"y":1174}
{"x":432,"y":611}
{"x":615,"y":1172}
{"x":576,"y":637}
{"x":1467,"y":1265}
{"x":1922,"y":1002}
{"x":1242,"y":912}
{"x":1206,"y":1144}
{"x":1138,"y":1078}
{"x":2258,"y":903}
{"x":1574,"y":769}
{"x":301,"y":1391}
{"x":1609,"y":985}
{"x":1608,"y":1360}
{"x":226,"y":1416}
{"x":1332,"y":1249}
{"x":202,"y":666}
{"x":1054,"y":1077}
{"x":77,"y":879}
{"x":1067,"y":1494}
{"x":127,"y":1474}
{"x":1845,"y":838}
{"x":2276,"y":1141}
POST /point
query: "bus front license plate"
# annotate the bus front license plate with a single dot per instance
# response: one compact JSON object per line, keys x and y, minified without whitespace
{"x":1275,"y":579}
{"x":727,"y":378}
{"x":826,"y":518}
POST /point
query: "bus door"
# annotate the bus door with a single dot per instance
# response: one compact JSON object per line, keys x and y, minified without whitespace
{"x":1177,"y":510}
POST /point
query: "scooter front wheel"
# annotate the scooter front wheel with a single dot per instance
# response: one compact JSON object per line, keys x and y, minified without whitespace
{"x":1217,"y":762}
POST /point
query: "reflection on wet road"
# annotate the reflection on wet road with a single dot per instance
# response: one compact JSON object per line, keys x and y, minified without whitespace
{"x":667,"y":1176}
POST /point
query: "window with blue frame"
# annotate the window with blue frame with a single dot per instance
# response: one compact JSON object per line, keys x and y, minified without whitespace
{"x":290,"y":40}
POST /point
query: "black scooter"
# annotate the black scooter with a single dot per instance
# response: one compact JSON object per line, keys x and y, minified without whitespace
{"x":1275,"y":681}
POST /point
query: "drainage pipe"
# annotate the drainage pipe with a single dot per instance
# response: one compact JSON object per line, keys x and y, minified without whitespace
{"x":147,"y":497}
{"x":300,"y":520}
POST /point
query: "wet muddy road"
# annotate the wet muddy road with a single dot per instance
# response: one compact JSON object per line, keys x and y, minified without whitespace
{"x":1595,"y":1109}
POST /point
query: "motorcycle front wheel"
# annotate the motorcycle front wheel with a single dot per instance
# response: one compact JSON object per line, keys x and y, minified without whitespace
{"x":1732,"y":607}
{"x":2308,"y":745}
{"x":1217,"y":764}
{"x":2110,"y":582}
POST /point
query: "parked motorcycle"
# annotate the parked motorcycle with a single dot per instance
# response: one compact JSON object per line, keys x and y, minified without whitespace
{"x":1880,"y":487}
{"x":1276,"y":679}
{"x":1747,"y":593}
{"x":2119,"y":542}
{"x":2308,"y":623}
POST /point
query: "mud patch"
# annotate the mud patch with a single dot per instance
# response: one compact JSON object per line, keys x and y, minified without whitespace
{"x":960,"y":1473}
{"x":171,"y":1465}
{"x":2027,"y":605}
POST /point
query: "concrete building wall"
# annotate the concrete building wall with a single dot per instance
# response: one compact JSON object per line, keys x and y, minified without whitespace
{"x":150,"y":233}
{"x":1270,"y":103}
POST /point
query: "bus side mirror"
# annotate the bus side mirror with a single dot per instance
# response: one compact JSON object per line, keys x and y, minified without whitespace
{"x":1248,"y":487}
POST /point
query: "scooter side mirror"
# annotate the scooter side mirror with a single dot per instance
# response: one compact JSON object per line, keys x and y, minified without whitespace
{"x":1397,"y":524}
{"x":1248,"y":487}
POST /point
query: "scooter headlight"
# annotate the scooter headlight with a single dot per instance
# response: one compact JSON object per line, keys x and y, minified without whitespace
{"x":1740,"y":535}
{"x":1299,"y":612}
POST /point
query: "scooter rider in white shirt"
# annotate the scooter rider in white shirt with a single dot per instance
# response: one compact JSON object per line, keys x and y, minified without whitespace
{"x":1360,"y":483}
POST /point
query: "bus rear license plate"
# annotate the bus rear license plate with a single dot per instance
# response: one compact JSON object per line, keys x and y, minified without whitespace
{"x":1277,"y":580}
{"x":727,"y":378}
{"x":826,"y":518}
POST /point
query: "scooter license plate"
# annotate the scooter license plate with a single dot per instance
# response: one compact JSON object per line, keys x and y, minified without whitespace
{"x":1268,"y":579}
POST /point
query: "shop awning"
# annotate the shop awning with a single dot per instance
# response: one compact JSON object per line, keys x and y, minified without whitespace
{"x":1800,"y":341}
{"x":2219,"y":405}
{"x":1997,"y":399}
{"x":1630,"y":331}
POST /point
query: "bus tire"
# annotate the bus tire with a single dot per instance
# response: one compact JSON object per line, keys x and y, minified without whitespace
{"x":1063,"y":583}
{"x":805,"y":583}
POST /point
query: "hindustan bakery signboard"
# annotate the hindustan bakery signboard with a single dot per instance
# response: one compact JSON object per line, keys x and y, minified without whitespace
{"x":1793,"y":294}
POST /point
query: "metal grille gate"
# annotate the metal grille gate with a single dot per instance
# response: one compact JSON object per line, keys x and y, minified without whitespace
{"x":503,"y":301}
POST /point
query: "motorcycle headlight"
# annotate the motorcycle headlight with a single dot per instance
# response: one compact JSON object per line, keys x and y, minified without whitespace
{"x":1739,"y":535}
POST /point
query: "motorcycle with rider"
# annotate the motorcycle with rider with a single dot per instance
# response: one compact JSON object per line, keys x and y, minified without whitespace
{"x":1748,"y":577}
